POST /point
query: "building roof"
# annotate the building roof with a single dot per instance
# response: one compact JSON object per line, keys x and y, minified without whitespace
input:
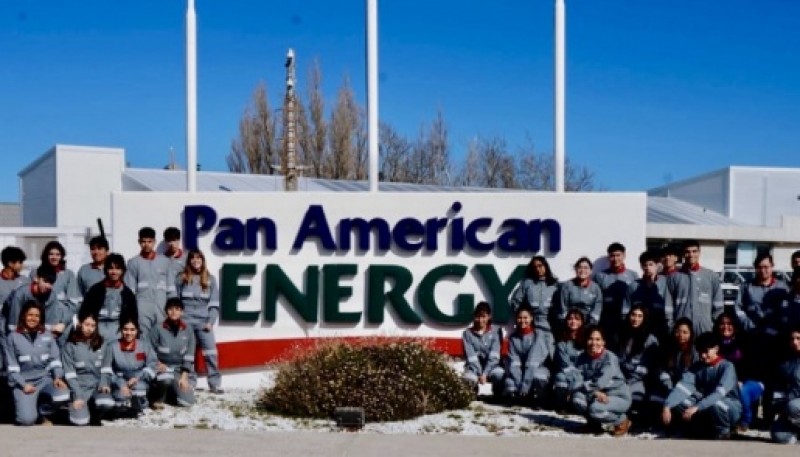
{"x":144,"y":179}
{"x":666,"y":210}
{"x":663,"y":210}
{"x":10,"y":215}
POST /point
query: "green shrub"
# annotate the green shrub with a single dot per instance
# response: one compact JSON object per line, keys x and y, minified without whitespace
{"x":392,"y":380}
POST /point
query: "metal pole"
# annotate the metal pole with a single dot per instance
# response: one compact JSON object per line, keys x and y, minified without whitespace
{"x":372,"y":92}
{"x":191,"y":98}
{"x":290,"y":125}
{"x":560,"y":72}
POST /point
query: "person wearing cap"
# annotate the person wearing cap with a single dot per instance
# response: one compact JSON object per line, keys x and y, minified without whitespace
{"x":614,"y":282}
{"x":151,"y":277}
{"x":174,"y":343}
{"x":91,"y":273}
{"x":695,"y":292}
{"x":705,"y":402}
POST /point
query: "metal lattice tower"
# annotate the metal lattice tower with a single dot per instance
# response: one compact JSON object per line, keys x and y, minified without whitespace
{"x":290,"y":126}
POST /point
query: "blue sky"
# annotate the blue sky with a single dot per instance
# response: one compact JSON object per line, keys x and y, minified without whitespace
{"x":656,"y":90}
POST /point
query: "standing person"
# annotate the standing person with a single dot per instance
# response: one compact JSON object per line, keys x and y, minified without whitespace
{"x":614,"y":282}
{"x":638,"y":354}
{"x":706,"y":400}
{"x":695,"y":292}
{"x":13,"y":259}
{"x":737,"y":348}
{"x":788,"y":315}
{"x":35,"y":372}
{"x":669,"y":260}
{"x":173,"y":250}
{"x":760,"y":300}
{"x":600,"y":392}
{"x":677,"y":357}
{"x":787,"y":394}
{"x":87,"y":370}
{"x":537,"y":290}
{"x":65,"y":289}
{"x":174,"y":343}
{"x":581,"y":293}
{"x":91,"y":273}
{"x":570,"y":345}
{"x":795,"y":262}
{"x":39,"y":290}
{"x":151,"y":277}
{"x":650,"y":292}
{"x":527,"y":376}
{"x":197,"y":290}
{"x":111,"y":300}
{"x":133,"y":362}
{"x":482,"y":350}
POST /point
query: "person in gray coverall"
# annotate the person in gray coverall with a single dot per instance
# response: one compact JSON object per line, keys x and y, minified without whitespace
{"x":87,"y":370}
{"x":174,"y":344}
{"x":35,"y":372}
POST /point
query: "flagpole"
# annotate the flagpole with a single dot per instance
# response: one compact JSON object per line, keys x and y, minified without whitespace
{"x":191,"y":98}
{"x":560,"y":96}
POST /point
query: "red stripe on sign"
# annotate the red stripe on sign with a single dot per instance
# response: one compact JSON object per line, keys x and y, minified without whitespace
{"x":255,"y":353}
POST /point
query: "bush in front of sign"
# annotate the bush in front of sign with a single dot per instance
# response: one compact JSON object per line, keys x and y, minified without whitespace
{"x":391,"y":379}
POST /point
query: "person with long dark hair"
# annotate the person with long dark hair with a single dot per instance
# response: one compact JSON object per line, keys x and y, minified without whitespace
{"x":482,"y":344}
{"x":111,"y":300}
{"x":65,"y":287}
{"x":571,"y":343}
{"x":638,"y":355}
{"x":527,"y":376}
{"x":197,"y":289}
{"x":87,"y":370}
{"x":737,"y":347}
{"x":600,"y":393}
{"x":35,"y":372}
{"x":133,"y":362}
{"x":537,"y":290}
{"x":677,"y":357}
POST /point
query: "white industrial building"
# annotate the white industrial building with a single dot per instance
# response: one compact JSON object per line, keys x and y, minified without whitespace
{"x":734,"y":212}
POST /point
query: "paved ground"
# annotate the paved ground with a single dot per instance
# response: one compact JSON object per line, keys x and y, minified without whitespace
{"x":109,"y":441}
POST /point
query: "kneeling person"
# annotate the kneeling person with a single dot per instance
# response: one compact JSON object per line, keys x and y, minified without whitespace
{"x":482,"y":350}
{"x":87,"y":370}
{"x":174,"y":344}
{"x":707,"y":397}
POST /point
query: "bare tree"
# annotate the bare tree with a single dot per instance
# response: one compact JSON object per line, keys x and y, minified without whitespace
{"x":537,"y":171}
{"x":342,"y":135}
{"x":470,"y":174}
{"x":395,"y":153}
{"x":315,"y":129}
{"x":257,"y":147}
